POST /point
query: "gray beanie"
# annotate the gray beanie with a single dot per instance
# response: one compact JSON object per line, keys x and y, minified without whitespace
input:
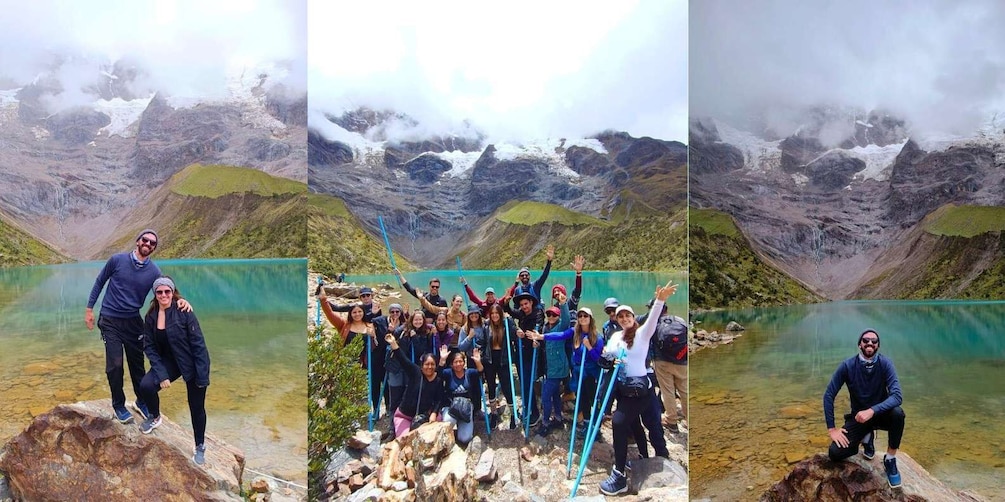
{"x":164,"y":281}
{"x":148,"y":231}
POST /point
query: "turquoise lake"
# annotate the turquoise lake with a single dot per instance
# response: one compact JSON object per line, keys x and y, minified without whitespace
{"x":760,"y":398}
{"x":251,"y":313}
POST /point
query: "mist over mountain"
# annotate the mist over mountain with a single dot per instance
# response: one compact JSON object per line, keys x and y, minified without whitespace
{"x":81,"y":144}
{"x":847,"y":187}
{"x":434,"y":189}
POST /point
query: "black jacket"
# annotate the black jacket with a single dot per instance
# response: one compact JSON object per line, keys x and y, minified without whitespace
{"x":191,"y":358}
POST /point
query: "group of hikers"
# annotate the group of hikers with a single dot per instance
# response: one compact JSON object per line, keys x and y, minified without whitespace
{"x":439,"y":361}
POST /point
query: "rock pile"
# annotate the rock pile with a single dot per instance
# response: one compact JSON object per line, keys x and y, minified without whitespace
{"x":702,"y":339}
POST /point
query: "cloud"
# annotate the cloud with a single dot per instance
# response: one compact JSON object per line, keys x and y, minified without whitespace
{"x":183,"y":47}
{"x":940,"y":65}
{"x":515,"y":69}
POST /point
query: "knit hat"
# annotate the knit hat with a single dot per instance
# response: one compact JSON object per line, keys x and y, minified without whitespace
{"x":147,"y":231}
{"x":524,"y":269}
{"x":394,"y":306}
{"x":163,"y":281}
{"x":559,"y":287}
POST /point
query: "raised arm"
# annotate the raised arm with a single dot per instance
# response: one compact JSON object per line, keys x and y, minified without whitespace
{"x":404,"y":283}
{"x":539,"y":283}
{"x":471,"y":294}
{"x":645,"y":333}
{"x":336,"y":320}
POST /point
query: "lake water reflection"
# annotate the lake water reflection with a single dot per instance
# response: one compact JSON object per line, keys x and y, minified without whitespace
{"x":251,"y":312}
{"x":759,"y":400}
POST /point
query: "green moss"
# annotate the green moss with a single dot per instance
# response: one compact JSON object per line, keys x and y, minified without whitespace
{"x":964,"y":221}
{"x":336,"y":241}
{"x":713,"y":222}
{"x":18,"y":248}
{"x":656,"y":242}
{"x":964,"y":268}
{"x":529,"y":213}
{"x":214,"y":181}
{"x":726,"y":273}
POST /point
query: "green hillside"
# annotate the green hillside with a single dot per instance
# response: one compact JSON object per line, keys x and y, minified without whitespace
{"x":214,"y":181}
{"x":223,"y":212}
{"x":337,"y":243}
{"x":648,"y":240}
{"x":18,"y":248}
{"x":964,"y":221}
{"x":726,"y":273}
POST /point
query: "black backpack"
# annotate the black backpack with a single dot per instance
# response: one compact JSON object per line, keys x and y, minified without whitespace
{"x":670,"y":340}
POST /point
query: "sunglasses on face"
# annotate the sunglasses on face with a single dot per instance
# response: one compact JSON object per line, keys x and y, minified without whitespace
{"x":365,"y":295}
{"x":395,"y":311}
{"x":609,"y":311}
{"x":551,"y":314}
{"x":161,"y":292}
{"x":583,"y":315}
{"x":524,"y":276}
{"x":431,"y":286}
{"x":870,"y":341}
{"x":148,"y":241}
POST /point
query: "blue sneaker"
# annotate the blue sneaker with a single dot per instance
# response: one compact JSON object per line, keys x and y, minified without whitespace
{"x":150,"y":424}
{"x":892,"y":474}
{"x":141,"y":408}
{"x":200,"y":454}
{"x":616,"y":484}
{"x":123,"y":415}
{"x":869,"y":448}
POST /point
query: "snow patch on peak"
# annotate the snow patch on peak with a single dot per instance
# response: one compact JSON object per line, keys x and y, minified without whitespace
{"x":122,"y":113}
{"x":366,"y":152}
{"x":460,"y":162}
{"x":8,"y":97}
{"x":878,"y":160}
{"x":551,"y":150}
{"x":759,"y":156}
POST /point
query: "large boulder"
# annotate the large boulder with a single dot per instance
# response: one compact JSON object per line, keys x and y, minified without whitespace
{"x":80,"y":452}
{"x":819,"y":479}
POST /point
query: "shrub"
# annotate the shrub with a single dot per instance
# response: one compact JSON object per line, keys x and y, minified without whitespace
{"x":337,"y":401}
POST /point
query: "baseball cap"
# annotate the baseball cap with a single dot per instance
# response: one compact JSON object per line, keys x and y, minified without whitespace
{"x":623,"y":308}
{"x":611,"y":303}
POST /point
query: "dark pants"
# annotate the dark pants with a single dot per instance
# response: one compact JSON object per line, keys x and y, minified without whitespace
{"x":498,"y":369}
{"x":587,"y":394}
{"x":892,"y":421}
{"x":150,"y":387}
{"x":527,"y":379}
{"x":376,"y":381}
{"x":626,"y":416}
{"x":119,"y":334}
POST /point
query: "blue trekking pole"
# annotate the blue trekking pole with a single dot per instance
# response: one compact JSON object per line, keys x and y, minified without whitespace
{"x":387,"y":243}
{"x":575,"y":411}
{"x":317,"y":315}
{"x":509,"y":369}
{"x":595,"y":427}
{"x":461,"y":273}
{"x":530,"y":393}
{"x":488,"y":428}
{"x":369,"y":379}
{"x":519,"y":369}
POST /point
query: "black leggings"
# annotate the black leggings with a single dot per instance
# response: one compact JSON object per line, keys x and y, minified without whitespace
{"x":626,"y":419}
{"x":498,"y":369}
{"x":150,"y":387}
{"x":892,"y":421}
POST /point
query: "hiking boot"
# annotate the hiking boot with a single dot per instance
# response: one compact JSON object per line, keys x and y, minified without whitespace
{"x":150,"y":424}
{"x":200,"y":454}
{"x":142,"y":409}
{"x":616,"y":484}
{"x":543,"y":430}
{"x":581,"y":429}
{"x":123,"y":415}
{"x":534,"y":421}
{"x":892,"y":474}
{"x":869,"y":448}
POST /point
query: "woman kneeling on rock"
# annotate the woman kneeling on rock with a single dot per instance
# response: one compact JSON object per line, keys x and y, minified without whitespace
{"x":423,"y":390}
{"x":176,"y":348}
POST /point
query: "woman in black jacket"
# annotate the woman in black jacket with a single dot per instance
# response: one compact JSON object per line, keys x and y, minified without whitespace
{"x":423,"y":390}
{"x":176,"y":348}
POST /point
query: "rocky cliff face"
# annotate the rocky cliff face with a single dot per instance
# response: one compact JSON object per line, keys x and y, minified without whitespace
{"x":432,"y":189}
{"x":823,"y":213}
{"x":69,"y":175}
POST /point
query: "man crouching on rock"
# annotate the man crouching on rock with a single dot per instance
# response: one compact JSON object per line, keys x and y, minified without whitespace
{"x":875,"y":404}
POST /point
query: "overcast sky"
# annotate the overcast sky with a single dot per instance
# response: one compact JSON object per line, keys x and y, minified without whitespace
{"x":185,"y":46}
{"x":517,"y":69}
{"x":940,"y":64}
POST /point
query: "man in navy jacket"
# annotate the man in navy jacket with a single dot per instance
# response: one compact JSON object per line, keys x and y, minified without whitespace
{"x":875,"y":404}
